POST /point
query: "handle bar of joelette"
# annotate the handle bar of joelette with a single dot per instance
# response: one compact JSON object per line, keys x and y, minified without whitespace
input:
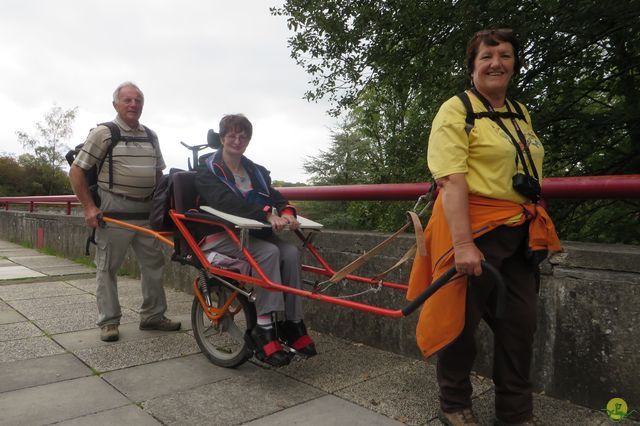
{"x":194,"y":147}
{"x":446,"y":278}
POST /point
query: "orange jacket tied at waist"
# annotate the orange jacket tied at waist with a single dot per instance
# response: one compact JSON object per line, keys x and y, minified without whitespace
{"x":442,"y":316}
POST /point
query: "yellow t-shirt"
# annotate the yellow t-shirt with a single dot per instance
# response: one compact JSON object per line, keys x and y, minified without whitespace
{"x":487,"y":156}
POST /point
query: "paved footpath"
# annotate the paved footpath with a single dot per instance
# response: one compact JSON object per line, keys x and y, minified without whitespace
{"x":55,"y":369}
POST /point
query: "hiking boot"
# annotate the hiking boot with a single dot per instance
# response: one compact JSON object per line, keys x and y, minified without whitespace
{"x":294,"y":335}
{"x":162,"y":324}
{"x":458,"y":418}
{"x":109,"y":333}
{"x":535,"y":421}
{"x":267,"y":347}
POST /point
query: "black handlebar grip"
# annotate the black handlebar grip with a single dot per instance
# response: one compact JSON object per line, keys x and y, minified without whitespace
{"x":446,"y":278}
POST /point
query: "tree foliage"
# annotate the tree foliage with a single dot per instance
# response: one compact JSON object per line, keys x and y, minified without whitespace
{"x":29,"y":175}
{"x":45,"y":164}
{"x":390,"y":64}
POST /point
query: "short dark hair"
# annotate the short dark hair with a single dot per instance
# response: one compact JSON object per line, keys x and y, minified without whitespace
{"x":493,"y":37}
{"x":235,"y":122}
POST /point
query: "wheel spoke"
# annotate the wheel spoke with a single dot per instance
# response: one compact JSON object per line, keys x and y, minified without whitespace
{"x":236,"y":333}
{"x":211,"y":331}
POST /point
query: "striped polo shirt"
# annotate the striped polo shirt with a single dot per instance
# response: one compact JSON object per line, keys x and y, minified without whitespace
{"x":134,"y":163}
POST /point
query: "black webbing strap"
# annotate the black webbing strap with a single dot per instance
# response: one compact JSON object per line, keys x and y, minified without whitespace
{"x":521,"y":139}
{"x":116,"y":136}
{"x":470,"y":118}
{"x":493,"y":115}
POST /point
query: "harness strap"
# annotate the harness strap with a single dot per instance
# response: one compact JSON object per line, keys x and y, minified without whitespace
{"x":419,"y":233}
{"x":409,"y":254}
{"x":417,"y":227}
{"x":271,"y":348}
{"x":494,"y":115}
{"x":302,"y":342}
{"x":419,"y":245}
{"x":116,"y":137}
{"x":366,"y":256}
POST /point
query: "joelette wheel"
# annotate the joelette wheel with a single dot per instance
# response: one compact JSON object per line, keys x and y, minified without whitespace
{"x":222,"y":341}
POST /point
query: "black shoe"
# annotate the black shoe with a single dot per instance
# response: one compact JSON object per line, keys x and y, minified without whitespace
{"x":294,"y":335}
{"x":267,"y":347}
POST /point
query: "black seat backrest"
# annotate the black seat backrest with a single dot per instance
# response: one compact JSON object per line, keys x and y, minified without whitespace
{"x":184,"y":191}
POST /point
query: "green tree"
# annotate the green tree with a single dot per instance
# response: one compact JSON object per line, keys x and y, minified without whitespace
{"x":400,"y":59}
{"x":41,"y":178}
{"x":48,"y":147}
{"x":357,"y":155}
{"x":12,"y":177}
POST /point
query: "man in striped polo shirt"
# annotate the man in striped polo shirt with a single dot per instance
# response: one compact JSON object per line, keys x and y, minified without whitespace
{"x":126,"y":182}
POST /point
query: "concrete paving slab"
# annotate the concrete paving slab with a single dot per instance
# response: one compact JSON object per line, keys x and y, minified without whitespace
{"x":41,"y":371}
{"x":327,"y":411}
{"x":8,"y":316}
{"x":34,"y":261}
{"x":346,"y":367}
{"x":408,"y":394}
{"x":128,"y":415}
{"x":130,"y":331}
{"x":239,"y":399}
{"x":85,"y":284}
{"x":74,"y":269}
{"x":36,"y":309}
{"x":561,"y":413}
{"x":79,"y":321}
{"x":551,"y":412}
{"x":327,"y":343}
{"x":37,"y":291}
{"x":179,"y":309}
{"x":39,"y":259}
{"x":18,"y":251}
{"x":47,"y":306}
{"x":6,"y":262}
{"x":32,"y":347}
{"x":8,"y":245}
{"x":18,"y":272}
{"x":149,"y":381}
{"x":19,"y":330}
{"x":58,"y":401}
{"x":128,"y":354}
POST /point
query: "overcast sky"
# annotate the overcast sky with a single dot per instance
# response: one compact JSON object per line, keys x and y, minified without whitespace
{"x":195,"y":60}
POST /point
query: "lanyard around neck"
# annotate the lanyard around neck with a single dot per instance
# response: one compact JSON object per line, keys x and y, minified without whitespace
{"x":523,"y":141}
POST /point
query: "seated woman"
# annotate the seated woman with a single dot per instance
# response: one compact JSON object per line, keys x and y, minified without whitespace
{"x":228,"y":181}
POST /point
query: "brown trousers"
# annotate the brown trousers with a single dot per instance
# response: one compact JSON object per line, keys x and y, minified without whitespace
{"x":503,"y":248}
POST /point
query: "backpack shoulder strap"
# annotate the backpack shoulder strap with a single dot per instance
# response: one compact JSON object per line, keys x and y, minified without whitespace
{"x":116,"y":136}
{"x":518,"y":107}
{"x":152,"y":137}
{"x":471,"y":116}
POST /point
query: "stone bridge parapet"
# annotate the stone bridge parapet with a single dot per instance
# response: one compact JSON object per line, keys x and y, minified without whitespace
{"x":587,"y":347}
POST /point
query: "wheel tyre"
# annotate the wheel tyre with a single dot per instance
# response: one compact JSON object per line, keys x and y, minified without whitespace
{"x":221,"y":347}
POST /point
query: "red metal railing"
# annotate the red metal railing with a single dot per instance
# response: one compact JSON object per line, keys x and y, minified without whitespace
{"x":585,"y":187}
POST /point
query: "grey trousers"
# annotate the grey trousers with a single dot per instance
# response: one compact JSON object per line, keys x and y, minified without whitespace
{"x":280,"y":261}
{"x":112,"y":244}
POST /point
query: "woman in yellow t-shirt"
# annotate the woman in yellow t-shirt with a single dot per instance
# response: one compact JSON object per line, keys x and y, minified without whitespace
{"x":488,"y":171}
